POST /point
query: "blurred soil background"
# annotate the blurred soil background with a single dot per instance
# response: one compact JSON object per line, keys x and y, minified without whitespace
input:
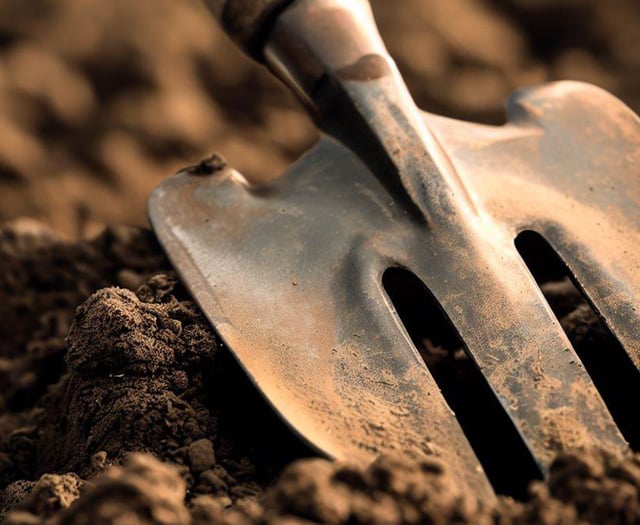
{"x":101,"y":100}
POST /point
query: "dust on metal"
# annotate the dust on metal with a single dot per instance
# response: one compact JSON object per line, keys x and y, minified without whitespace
{"x":290,"y":273}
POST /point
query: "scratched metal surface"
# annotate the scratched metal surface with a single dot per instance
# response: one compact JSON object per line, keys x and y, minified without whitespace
{"x":290,"y":276}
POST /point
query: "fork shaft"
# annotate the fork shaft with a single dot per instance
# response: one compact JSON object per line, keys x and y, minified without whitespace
{"x":332,"y":56}
{"x":247,"y":21}
{"x":330,"y":53}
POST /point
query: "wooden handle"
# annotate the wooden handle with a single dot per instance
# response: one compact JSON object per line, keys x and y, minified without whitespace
{"x":248,"y":22}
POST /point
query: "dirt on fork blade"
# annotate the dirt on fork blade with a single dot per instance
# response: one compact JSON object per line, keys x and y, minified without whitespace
{"x":120,"y":405}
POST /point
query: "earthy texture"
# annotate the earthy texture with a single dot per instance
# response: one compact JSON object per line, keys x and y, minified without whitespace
{"x":141,"y":416}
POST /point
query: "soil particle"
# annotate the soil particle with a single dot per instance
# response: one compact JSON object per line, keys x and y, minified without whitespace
{"x":603,"y":488}
{"x":43,"y":278}
{"x":52,"y":492}
{"x":143,"y":491}
{"x":14,"y":494}
{"x":583,"y":488}
{"x":214,"y":163}
{"x":201,"y":455}
{"x":388,"y":491}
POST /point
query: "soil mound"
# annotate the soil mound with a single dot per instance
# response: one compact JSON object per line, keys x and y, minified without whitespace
{"x":141,"y":416}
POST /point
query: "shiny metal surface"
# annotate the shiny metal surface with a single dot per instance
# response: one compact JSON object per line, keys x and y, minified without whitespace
{"x":290,"y":273}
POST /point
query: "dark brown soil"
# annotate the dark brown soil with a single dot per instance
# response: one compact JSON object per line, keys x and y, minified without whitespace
{"x":141,"y":416}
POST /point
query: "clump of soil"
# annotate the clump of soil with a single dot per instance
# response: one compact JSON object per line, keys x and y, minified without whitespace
{"x":42,"y":281}
{"x":141,"y":416}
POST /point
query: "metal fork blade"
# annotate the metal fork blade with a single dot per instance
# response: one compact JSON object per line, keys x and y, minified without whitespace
{"x":290,"y":276}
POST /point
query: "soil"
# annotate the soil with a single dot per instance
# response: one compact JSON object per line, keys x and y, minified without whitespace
{"x":140,"y":415}
{"x":118,"y":403}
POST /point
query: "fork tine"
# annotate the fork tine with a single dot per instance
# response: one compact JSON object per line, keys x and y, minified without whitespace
{"x":566,"y":165}
{"x":613,"y":289}
{"x":516,"y":341}
{"x":308,"y":318}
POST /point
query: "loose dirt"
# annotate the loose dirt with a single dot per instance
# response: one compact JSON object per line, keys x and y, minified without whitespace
{"x":141,"y":416}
